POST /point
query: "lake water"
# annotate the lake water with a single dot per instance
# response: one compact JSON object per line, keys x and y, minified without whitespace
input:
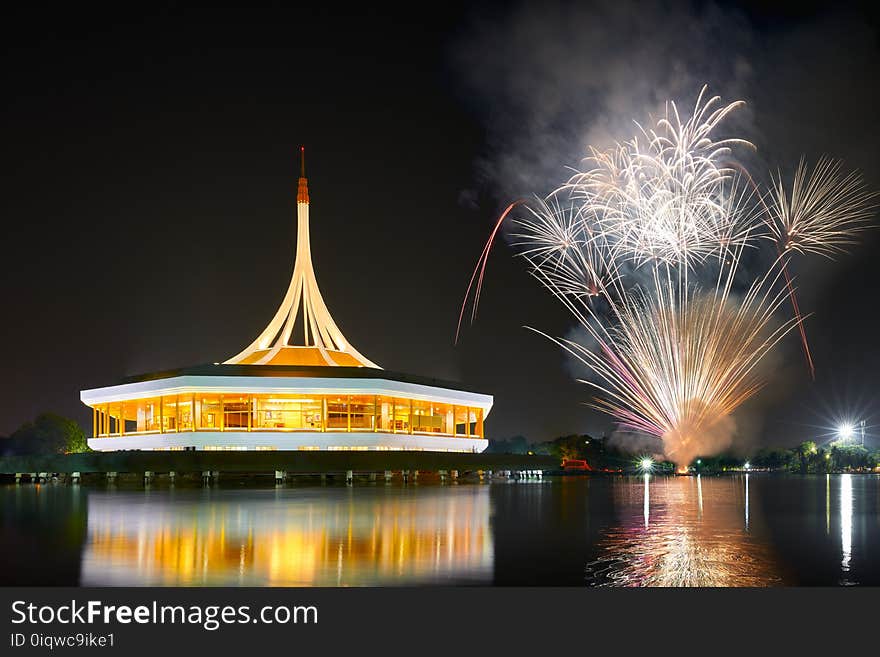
{"x":755,"y":530}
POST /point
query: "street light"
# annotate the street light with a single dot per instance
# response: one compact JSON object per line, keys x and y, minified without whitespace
{"x":747,"y":465}
{"x":845,"y":431}
{"x":646,"y":464}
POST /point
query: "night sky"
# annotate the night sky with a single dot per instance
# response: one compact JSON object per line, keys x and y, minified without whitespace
{"x":150,"y":165}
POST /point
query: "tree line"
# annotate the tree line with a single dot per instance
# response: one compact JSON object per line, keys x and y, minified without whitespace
{"x":806,"y":458}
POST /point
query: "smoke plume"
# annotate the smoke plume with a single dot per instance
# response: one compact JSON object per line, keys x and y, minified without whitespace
{"x":554,"y":77}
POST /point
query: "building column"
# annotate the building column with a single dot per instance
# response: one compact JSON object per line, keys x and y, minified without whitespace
{"x":383,"y":416}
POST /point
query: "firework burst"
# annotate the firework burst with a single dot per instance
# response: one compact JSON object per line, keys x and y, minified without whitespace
{"x":679,"y":360}
{"x":675,"y":357}
{"x":664,"y":195}
{"x":824,"y":211}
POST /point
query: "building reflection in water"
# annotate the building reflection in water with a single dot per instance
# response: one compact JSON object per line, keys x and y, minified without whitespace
{"x":289,"y":537}
{"x":693,"y":537}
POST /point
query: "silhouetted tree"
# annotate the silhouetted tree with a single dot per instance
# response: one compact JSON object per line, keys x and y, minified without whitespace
{"x":775,"y":458}
{"x":514,"y":445}
{"x":806,"y":453}
{"x":48,"y":434}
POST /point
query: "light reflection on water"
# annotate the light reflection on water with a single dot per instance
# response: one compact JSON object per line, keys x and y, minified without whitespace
{"x":289,"y":537}
{"x":754,"y":530}
{"x":747,"y":502}
{"x":846,"y":516}
{"x":690,"y":537}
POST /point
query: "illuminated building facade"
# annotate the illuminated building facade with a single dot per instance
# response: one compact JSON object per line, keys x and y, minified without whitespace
{"x":317,"y":394}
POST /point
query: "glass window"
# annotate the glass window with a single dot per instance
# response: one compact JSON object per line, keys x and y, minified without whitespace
{"x":114,"y":412}
{"x":337,"y":413}
{"x":209,"y":411}
{"x":169,"y":413}
{"x":462,"y":420}
{"x":185,"y":413}
{"x":235,"y":413}
{"x":428,"y":417}
{"x":363,"y":412}
{"x":384,"y":413}
{"x":147,"y":414}
{"x":401,"y":415}
{"x":288,"y":413}
{"x":478,"y":425}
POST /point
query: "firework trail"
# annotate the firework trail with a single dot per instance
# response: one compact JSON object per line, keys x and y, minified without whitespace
{"x":679,"y":360}
{"x":676,"y":356}
{"x":822,"y":214}
{"x":480,"y":270}
{"x":789,"y":283}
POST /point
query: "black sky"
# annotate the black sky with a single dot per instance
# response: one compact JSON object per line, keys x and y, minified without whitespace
{"x":149,"y":180}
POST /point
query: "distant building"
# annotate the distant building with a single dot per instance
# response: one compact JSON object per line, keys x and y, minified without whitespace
{"x":317,"y":394}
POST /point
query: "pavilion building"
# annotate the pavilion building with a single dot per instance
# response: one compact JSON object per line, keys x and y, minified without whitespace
{"x":299,"y":386}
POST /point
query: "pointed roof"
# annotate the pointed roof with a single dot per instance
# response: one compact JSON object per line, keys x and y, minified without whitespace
{"x":322,"y":341}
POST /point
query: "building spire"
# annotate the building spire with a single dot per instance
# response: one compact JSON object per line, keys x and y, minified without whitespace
{"x":303,"y":307}
{"x":302,"y":191}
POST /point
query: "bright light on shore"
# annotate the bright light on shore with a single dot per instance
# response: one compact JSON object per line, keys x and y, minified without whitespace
{"x":646,"y":464}
{"x":845,"y":431}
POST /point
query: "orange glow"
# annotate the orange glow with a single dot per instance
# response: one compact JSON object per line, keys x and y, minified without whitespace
{"x":335,"y":543}
{"x":276,"y":412}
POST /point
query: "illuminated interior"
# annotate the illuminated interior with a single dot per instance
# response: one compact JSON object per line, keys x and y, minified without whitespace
{"x":272,"y":412}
